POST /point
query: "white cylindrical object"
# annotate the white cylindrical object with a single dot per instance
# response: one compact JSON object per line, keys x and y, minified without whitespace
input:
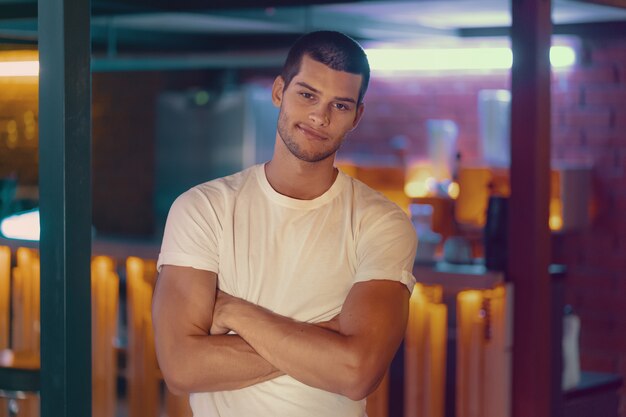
{"x":442,"y":136}
{"x":494,"y":118}
{"x":571,"y":355}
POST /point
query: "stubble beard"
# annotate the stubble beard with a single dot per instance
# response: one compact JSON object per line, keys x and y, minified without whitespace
{"x":295,"y":148}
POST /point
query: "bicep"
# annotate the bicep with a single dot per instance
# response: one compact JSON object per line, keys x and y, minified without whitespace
{"x":183,"y":302}
{"x":374,"y":316}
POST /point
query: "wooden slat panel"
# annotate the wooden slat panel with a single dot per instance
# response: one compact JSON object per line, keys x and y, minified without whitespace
{"x":5,"y":288}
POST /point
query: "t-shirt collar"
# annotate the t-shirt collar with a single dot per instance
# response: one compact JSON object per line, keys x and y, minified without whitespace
{"x":295,"y":203}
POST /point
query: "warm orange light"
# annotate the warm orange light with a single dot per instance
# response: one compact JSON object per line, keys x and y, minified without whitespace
{"x":471,"y":203}
{"x":556,"y":206}
{"x":419,"y":180}
{"x":415,"y":189}
{"x":556,"y":223}
{"x":454,"y":190}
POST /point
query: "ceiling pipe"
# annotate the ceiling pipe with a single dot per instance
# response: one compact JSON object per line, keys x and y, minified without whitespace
{"x":111,"y":38}
{"x":186,"y":62}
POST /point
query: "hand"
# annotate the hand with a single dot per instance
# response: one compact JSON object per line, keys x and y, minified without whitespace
{"x":219,"y":312}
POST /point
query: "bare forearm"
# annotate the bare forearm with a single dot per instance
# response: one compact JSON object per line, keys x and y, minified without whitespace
{"x":192,"y":360}
{"x":314,"y":355}
{"x":348,"y":355}
{"x":216,"y":363}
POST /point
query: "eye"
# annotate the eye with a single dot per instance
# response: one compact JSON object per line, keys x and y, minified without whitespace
{"x":341,"y":106}
{"x":306,"y":95}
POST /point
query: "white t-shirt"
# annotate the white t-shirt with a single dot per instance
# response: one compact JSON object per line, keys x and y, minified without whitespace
{"x":297,"y":258}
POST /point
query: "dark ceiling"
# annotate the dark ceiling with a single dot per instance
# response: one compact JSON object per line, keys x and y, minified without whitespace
{"x":222,"y":33}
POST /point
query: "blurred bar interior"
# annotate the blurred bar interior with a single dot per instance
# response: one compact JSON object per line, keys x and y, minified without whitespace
{"x":182,"y":96}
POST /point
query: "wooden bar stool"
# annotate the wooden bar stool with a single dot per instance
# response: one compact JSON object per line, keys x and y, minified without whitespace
{"x":19,"y":292}
{"x":104,"y":315}
{"x":19,"y":333}
{"x":25,"y":326}
{"x":144,"y":376}
{"x":5,"y":295}
{"x":425,"y":353}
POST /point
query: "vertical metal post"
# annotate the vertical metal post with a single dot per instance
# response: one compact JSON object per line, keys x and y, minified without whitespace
{"x":529,"y":235}
{"x":65,"y":204}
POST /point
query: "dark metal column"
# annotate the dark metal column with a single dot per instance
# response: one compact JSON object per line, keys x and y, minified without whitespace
{"x":529,"y":235}
{"x":65,"y":203}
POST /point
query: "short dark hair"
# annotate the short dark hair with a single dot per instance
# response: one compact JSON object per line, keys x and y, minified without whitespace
{"x":333,"y":49}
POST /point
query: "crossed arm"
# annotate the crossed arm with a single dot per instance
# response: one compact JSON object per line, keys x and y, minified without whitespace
{"x":347,"y":356}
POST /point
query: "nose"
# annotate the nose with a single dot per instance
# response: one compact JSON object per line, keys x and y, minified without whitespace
{"x":319,"y":116}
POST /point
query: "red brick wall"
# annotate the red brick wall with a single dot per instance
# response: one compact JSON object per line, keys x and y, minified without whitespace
{"x":400,"y":105}
{"x":589,"y":125}
{"x":590,"y":122}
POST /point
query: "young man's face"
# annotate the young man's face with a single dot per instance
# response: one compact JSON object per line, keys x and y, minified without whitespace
{"x":317,"y":109}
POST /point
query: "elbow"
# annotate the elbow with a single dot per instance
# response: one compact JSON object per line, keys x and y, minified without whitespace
{"x":360,"y":387}
{"x":356,"y":393}
{"x":175,"y":380}
{"x":175,"y":390}
{"x":361,"y":379}
{"x":174,"y":373}
{"x":176,"y":365}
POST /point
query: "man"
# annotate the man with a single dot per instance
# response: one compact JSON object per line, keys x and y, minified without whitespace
{"x":283,"y":289}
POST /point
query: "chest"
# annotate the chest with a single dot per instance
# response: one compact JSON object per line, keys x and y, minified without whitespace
{"x":298,"y":263}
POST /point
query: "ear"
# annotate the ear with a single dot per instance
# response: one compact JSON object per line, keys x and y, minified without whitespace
{"x":359,"y":114}
{"x":277,"y":91}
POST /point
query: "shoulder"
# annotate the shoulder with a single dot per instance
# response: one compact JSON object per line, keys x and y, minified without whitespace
{"x":218,"y":188}
{"x":372,"y":205}
{"x":226,"y":185}
{"x":376,"y":218}
{"x":212,"y":195}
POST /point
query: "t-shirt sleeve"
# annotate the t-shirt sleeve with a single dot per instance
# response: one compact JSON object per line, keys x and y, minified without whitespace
{"x":386,"y":250}
{"x":192,"y":233}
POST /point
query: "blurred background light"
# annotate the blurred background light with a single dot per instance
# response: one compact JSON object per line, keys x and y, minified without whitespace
{"x":24,"y":226}
{"x":439,"y":59}
{"x":201,"y":98}
{"x":562,"y":56}
{"x":19,"y":69}
{"x":469,"y":58}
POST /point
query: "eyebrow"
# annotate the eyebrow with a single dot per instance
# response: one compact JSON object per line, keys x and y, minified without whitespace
{"x":315,"y":90}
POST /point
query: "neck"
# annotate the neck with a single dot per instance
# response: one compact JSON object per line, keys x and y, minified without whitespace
{"x":298,"y":179}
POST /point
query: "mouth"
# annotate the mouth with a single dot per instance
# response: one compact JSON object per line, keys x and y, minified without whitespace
{"x":311,"y":133}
